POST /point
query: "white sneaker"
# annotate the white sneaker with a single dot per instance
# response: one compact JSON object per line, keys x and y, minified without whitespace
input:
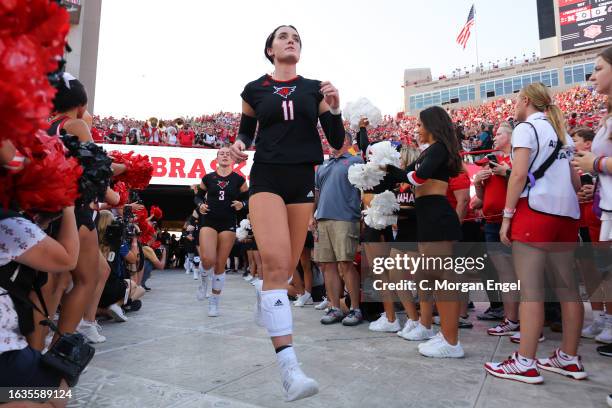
{"x":384,"y":325}
{"x":117,"y":312}
{"x":305,"y":299}
{"x":297,"y":385}
{"x":439,"y":348}
{"x":323,"y":305}
{"x":594,"y":329}
{"x":410,"y":324}
{"x":213,"y":306}
{"x":438,"y":337}
{"x":255,"y":281}
{"x":419,"y":333}
{"x":90,"y":331}
{"x":257,"y":314}
{"x":606,"y":335}
{"x":248,"y":278}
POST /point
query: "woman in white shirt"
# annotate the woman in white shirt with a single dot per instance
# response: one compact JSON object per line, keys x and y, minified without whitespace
{"x":542,"y":212}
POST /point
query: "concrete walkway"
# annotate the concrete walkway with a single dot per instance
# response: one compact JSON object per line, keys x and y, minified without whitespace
{"x":170,"y":354}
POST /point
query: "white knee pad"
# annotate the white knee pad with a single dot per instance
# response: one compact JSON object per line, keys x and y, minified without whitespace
{"x":276,"y":312}
{"x":218,"y":282}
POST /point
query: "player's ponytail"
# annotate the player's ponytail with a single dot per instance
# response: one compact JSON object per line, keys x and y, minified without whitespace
{"x":540,"y":98}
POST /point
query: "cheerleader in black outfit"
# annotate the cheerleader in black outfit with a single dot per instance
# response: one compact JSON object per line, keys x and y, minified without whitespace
{"x":287,"y":108}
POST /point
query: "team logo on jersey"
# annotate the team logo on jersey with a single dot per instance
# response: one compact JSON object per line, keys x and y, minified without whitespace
{"x":222,"y":184}
{"x":284,"y":91}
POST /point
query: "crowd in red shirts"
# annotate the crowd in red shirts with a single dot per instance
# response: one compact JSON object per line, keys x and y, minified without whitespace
{"x":582,"y":107}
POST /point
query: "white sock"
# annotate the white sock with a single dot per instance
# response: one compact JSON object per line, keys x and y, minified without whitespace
{"x":524,"y":361}
{"x":565,"y":356}
{"x":286,"y":358}
{"x":218,"y":282}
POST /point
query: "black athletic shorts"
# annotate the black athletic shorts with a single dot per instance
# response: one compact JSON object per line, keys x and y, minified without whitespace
{"x":436,"y":220}
{"x":219,"y":224}
{"x":309,"y":241}
{"x":84,"y":216}
{"x":294,"y":183}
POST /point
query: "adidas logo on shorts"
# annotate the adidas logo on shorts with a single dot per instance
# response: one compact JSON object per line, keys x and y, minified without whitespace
{"x":278,"y":303}
{"x":310,"y":194}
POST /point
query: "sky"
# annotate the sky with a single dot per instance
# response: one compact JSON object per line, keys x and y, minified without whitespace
{"x":192,"y":57}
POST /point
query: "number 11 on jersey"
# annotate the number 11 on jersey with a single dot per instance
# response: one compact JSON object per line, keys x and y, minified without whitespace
{"x":288,"y":110}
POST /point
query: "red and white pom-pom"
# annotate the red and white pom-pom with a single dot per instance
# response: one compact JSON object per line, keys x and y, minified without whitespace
{"x":382,"y":211}
{"x":241,"y":233}
{"x":245,"y":224}
{"x":49,"y":182}
{"x":124,"y":194}
{"x":365,"y":176}
{"x":139,"y":169}
{"x":383,"y":153}
{"x":156,"y":212}
{"x":141,"y":215}
{"x":147,"y":232}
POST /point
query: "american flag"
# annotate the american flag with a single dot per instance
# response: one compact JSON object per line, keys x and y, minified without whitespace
{"x":464,"y":35}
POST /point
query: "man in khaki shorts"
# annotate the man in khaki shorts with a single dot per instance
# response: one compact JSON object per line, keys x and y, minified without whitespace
{"x":337,"y":215}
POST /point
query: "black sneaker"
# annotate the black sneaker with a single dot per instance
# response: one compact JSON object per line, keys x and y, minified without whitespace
{"x":605,"y":350}
{"x":133,"y":306}
{"x":148,"y":289}
{"x":492,"y":314}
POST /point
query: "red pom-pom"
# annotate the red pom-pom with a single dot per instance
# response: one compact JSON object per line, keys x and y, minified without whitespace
{"x":141,"y":215}
{"x":124,"y":194}
{"x":156,"y":245}
{"x":147,"y":232}
{"x":49,"y":182}
{"x":139,"y":169}
{"x":32,"y":40}
{"x":156,"y":212}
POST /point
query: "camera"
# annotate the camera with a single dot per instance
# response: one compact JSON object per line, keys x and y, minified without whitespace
{"x":492,"y":158}
{"x":69,"y":356}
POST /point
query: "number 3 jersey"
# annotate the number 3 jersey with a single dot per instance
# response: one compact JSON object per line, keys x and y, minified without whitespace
{"x":287,"y":112}
{"x":220,"y":192}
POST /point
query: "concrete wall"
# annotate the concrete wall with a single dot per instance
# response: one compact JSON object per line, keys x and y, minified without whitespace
{"x":83,"y":38}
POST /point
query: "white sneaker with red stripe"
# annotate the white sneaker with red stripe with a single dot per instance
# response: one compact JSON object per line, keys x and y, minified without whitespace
{"x":516,"y":338}
{"x":557,"y":364}
{"x":512,"y":369}
{"x":505,"y":328}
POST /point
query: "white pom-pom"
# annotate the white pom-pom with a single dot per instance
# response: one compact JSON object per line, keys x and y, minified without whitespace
{"x":365,"y":176}
{"x":383,"y":153}
{"x":241,"y":233}
{"x":354,"y":111}
{"x":245,"y":224}
{"x":382,"y":211}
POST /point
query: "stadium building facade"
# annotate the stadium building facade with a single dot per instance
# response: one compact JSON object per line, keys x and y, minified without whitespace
{"x":571,"y":34}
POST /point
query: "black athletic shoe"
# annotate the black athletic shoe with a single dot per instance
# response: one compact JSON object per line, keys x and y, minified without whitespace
{"x":605,"y":350}
{"x":148,"y":289}
{"x":132,"y":306}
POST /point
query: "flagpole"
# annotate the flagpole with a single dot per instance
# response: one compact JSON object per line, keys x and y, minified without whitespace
{"x":476,"y":38}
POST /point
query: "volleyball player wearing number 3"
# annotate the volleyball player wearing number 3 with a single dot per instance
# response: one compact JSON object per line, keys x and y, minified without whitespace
{"x":287,"y":108}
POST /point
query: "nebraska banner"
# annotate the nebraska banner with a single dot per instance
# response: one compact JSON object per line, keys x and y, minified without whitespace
{"x":180,"y":166}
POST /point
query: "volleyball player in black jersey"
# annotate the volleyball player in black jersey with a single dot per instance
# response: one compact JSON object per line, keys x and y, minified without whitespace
{"x":437,"y":223}
{"x":220,"y":195}
{"x":287,"y":108}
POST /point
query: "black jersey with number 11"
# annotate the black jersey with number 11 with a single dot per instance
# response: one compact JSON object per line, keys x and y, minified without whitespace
{"x":287,"y":112}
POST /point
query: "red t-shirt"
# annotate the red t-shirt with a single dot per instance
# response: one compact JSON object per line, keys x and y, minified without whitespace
{"x":96,"y":135}
{"x":186,"y":138}
{"x":494,"y":199}
{"x":461,"y":182}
